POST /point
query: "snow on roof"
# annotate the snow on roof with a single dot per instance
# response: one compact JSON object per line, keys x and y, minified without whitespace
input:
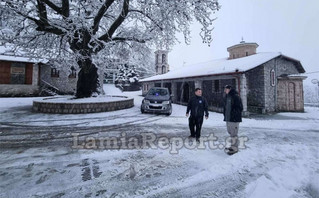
{"x":22,"y":59}
{"x":220,"y":66}
{"x":298,"y":76}
{"x":7,"y":54}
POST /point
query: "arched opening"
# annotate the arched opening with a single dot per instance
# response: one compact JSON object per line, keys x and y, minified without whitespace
{"x":163,"y":69}
{"x":185,"y":93}
{"x":272,"y":78}
{"x":163,"y":58}
{"x":291,"y":96}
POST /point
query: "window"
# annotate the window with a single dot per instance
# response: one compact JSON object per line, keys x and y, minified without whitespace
{"x":163,"y":69}
{"x":55,"y":72}
{"x":163,"y":58}
{"x":18,"y":73}
{"x":216,"y":86}
{"x":272,"y":78}
{"x":156,"y":57}
{"x":246,"y":53}
{"x":73,"y":73}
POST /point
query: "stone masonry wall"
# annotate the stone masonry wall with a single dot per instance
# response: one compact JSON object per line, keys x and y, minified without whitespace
{"x":281,"y":66}
{"x":241,"y":51}
{"x":63,"y":82}
{"x":255,"y":90}
{"x":77,"y":108}
{"x":18,"y":90}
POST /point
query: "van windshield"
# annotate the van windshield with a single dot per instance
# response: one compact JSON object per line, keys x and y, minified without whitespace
{"x":158,"y":92}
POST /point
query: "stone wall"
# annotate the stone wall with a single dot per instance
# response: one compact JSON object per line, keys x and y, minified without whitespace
{"x":77,"y":108}
{"x":261,"y":93}
{"x":255,"y":89}
{"x":280,"y":66}
{"x":242,"y":51}
{"x":8,"y":90}
{"x":65,"y":84}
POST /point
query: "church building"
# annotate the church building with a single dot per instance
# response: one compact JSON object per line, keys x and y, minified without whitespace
{"x":266,"y":82}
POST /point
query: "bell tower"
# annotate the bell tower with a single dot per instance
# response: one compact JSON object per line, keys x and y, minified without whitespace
{"x":161,"y":62}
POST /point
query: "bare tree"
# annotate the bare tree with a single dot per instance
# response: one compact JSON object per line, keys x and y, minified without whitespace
{"x":86,"y":28}
{"x":311,"y":93}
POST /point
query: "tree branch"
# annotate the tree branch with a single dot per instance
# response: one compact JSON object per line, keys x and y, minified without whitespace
{"x":22,"y":14}
{"x":45,"y":27}
{"x":107,"y":37}
{"x":100,"y":14}
{"x":149,"y":17}
{"x":53,"y":6}
{"x":42,"y":11}
{"x":65,"y":8}
{"x":130,"y":39}
{"x":43,"y":24}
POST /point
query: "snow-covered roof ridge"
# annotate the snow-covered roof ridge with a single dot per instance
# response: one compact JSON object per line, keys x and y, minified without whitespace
{"x":7,"y":54}
{"x":22,"y":59}
{"x":219,"y":66}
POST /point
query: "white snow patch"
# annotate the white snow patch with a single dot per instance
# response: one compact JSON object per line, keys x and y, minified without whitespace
{"x":281,"y":182}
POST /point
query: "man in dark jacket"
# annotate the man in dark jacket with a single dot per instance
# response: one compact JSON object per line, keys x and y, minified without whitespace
{"x":233,"y":108}
{"x":197,"y":105}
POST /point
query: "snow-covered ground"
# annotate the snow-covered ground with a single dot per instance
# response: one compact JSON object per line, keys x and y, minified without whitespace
{"x":280,"y":158}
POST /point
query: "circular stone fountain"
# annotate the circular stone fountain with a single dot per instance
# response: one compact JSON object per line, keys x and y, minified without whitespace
{"x":69,"y":105}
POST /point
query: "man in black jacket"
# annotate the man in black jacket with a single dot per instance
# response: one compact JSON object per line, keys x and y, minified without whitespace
{"x":233,"y":108}
{"x":197,"y":105}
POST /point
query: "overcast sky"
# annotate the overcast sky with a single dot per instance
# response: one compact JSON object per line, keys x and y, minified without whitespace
{"x":287,"y":26}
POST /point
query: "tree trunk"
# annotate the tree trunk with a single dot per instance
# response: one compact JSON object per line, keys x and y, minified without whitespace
{"x":88,"y":81}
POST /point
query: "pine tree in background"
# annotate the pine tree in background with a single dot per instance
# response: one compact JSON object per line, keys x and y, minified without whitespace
{"x":132,"y":75}
{"x":127,"y":78}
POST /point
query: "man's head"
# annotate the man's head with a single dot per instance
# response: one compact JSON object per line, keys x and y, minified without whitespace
{"x":198,"y":92}
{"x":227,"y":89}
